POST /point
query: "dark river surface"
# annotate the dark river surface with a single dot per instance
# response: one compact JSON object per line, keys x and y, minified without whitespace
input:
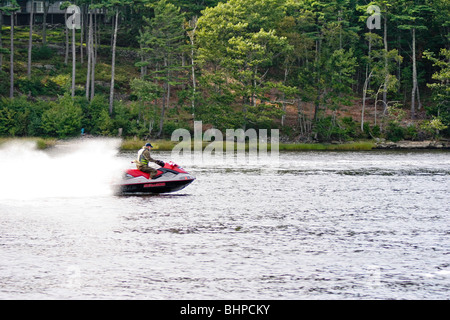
{"x":317,"y":225}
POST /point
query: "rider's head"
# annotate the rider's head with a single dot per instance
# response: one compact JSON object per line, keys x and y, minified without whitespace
{"x":148,"y":145}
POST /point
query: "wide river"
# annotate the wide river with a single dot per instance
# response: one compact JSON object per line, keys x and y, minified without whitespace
{"x":317,"y":225}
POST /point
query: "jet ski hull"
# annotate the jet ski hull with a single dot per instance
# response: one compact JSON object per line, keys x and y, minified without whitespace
{"x":170,"y":178}
{"x":155,"y":187}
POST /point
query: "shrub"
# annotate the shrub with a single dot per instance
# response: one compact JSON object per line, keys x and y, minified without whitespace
{"x":351,"y":127}
{"x":395,"y":132}
{"x":63,"y":119}
{"x":327,"y":129}
{"x":123,"y":118}
{"x":21,"y":117}
{"x":96,"y":119}
{"x":411,"y":132}
{"x":433,"y":126}
{"x":39,"y":87}
{"x":32,"y":86}
{"x":41,"y":53}
{"x":375,"y":131}
{"x":170,"y":126}
{"x":4,"y":83}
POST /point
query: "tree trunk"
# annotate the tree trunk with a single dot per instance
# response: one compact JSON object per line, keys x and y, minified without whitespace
{"x":283,"y":117}
{"x":366,"y":84}
{"x":89,"y":55}
{"x":386,"y":71}
{"x":369,"y":56}
{"x":300,"y":120}
{"x":73,"y":61}
{"x":96,"y":34}
{"x":317,"y":105}
{"x":414,"y":75}
{"x":66,"y":31}
{"x":11,"y":59}
{"x":93,"y":58}
{"x":143,"y":68}
{"x":161,"y":121}
{"x":113,"y":63}
{"x":419,"y":105}
{"x":317,"y":102}
{"x":44,"y":23}
{"x":1,"y":43}
{"x":165,"y":103}
{"x":193,"y":25}
{"x":30,"y":40}
{"x":82,"y":17}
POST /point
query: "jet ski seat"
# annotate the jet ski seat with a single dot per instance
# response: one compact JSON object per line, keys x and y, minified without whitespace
{"x":137,"y":173}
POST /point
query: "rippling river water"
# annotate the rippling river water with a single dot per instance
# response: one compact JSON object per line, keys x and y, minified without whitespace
{"x":321,"y":225}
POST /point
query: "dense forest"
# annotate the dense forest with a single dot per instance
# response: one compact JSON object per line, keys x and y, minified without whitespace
{"x":318,"y":70}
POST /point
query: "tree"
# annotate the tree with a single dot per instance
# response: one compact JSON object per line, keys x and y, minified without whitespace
{"x":63,"y":119}
{"x":3,"y":9}
{"x":193,"y":8}
{"x":73,"y":22}
{"x":115,"y":5}
{"x":163,"y":39}
{"x":30,"y":40}
{"x":441,"y":86}
{"x":11,"y":10}
{"x":92,"y":57}
{"x":386,"y":6}
{"x":413,"y":17}
{"x":326,"y":79}
{"x":113,"y":63}
{"x":191,"y":33}
{"x":380,"y":65}
{"x":239,"y":37}
{"x":146,"y":91}
{"x":64,"y":6}
{"x":47,"y":4}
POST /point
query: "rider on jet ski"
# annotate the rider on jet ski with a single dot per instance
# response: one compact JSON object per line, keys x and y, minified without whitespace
{"x":144,"y":158}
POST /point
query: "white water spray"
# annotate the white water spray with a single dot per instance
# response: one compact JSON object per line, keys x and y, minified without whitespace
{"x":78,"y":168}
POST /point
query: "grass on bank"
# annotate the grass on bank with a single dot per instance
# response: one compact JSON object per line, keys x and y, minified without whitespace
{"x":167,"y":145}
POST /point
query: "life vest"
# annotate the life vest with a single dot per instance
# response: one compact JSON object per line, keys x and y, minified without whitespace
{"x":141,"y":157}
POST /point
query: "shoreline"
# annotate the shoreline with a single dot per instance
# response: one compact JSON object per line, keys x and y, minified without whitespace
{"x":168,"y":145}
{"x":413,"y":145}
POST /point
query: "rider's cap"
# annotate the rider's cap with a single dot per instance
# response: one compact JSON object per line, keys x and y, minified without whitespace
{"x":148,"y":145}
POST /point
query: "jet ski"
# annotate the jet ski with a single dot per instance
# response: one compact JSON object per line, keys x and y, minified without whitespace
{"x":169,"y":178}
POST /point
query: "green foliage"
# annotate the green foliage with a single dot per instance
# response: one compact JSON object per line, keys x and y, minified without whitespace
{"x":395,"y":132}
{"x":96,"y":119}
{"x":63,"y":119}
{"x":222,"y":116}
{"x":250,"y":60}
{"x":42,"y":53}
{"x":433,"y":127}
{"x":37,"y":86}
{"x":123,"y":118}
{"x":4,"y":85}
{"x":328,"y":128}
{"x":240,"y":37}
{"x":440,"y":87}
{"x":20,"y":117}
{"x":171,"y":126}
{"x":262,"y":115}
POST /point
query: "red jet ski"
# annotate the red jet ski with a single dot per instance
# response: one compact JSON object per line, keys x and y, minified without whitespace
{"x":169,"y":178}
